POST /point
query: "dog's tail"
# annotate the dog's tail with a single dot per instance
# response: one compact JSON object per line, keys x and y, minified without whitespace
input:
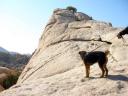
{"x":107,"y":52}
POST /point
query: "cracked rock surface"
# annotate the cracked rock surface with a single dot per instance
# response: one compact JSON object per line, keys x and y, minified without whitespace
{"x":56,"y":68}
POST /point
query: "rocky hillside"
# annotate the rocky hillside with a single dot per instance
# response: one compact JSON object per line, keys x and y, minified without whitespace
{"x":14,"y":61}
{"x":3,"y":50}
{"x":56,"y":68}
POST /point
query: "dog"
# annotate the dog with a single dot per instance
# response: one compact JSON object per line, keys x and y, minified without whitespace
{"x":100,"y":57}
{"x":123,"y":32}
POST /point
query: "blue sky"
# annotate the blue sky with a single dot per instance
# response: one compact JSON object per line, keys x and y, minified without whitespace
{"x":22,"y":21}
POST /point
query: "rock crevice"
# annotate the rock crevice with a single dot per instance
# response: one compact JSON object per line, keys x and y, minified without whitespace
{"x":78,"y":39}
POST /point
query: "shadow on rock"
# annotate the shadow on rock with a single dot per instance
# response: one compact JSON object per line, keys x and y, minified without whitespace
{"x":118,"y":77}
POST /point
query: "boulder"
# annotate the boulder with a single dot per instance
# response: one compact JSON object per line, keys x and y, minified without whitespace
{"x":81,"y":16}
{"x":56,"y":68}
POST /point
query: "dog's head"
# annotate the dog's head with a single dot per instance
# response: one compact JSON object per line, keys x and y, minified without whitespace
{"x":107,"y":52}
{"x":119,"y":36}
{"x":82,"y":53}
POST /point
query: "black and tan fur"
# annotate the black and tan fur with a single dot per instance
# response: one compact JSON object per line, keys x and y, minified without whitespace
{"x":89,"y":58}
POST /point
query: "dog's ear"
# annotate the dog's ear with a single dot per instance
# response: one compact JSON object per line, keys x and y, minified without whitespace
{"x":82,"y":52}
{"x":107,"y":52}
{"x":79,"y":52}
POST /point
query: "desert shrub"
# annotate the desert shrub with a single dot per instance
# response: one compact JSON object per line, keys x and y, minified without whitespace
{"x":10,"y":81}
{"x":71,"y":8}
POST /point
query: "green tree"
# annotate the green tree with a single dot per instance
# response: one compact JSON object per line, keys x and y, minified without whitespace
{"x":71,"y":8}
{"x":11,"y":80}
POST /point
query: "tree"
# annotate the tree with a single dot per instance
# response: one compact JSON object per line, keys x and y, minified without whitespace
{"x":71,"y":8}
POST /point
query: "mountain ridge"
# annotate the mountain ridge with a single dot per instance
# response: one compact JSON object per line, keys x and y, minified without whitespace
{"x":3,"y":50}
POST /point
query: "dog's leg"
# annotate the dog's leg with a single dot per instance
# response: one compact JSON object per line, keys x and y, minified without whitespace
{"x":87,"y":67}
{"x":102,"y":69}
{"x":106,"y":70}
{"x":105,"y":67}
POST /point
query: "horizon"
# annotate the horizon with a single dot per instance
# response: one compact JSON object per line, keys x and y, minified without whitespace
{"x":22,"y":22}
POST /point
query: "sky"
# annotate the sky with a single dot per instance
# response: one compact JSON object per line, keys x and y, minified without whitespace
{"x":22,"y":21}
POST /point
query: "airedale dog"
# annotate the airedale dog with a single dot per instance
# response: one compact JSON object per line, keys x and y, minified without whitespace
{"x":89,"y":58}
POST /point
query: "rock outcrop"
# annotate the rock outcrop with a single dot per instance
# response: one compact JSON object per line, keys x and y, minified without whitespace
{"x":56,"y":68}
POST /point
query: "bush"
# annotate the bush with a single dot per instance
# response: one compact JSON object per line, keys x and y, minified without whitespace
{"x":71,"y":8}
{"x":10,"y":81}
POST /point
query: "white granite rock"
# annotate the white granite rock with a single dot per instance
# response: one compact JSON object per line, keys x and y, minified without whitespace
{"x":56,"y":68}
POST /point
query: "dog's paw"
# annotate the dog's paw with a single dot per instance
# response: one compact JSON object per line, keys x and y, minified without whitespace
{"x":87,"y":76}
{"x":101,"y":76}
{"x":105,"y":76}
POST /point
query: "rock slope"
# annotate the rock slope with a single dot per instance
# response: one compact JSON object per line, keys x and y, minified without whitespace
{"x":56,"y":68}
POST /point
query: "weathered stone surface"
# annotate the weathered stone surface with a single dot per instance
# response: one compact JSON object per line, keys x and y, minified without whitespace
{"x":81,"y":16}
{"x":56,"y":68}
